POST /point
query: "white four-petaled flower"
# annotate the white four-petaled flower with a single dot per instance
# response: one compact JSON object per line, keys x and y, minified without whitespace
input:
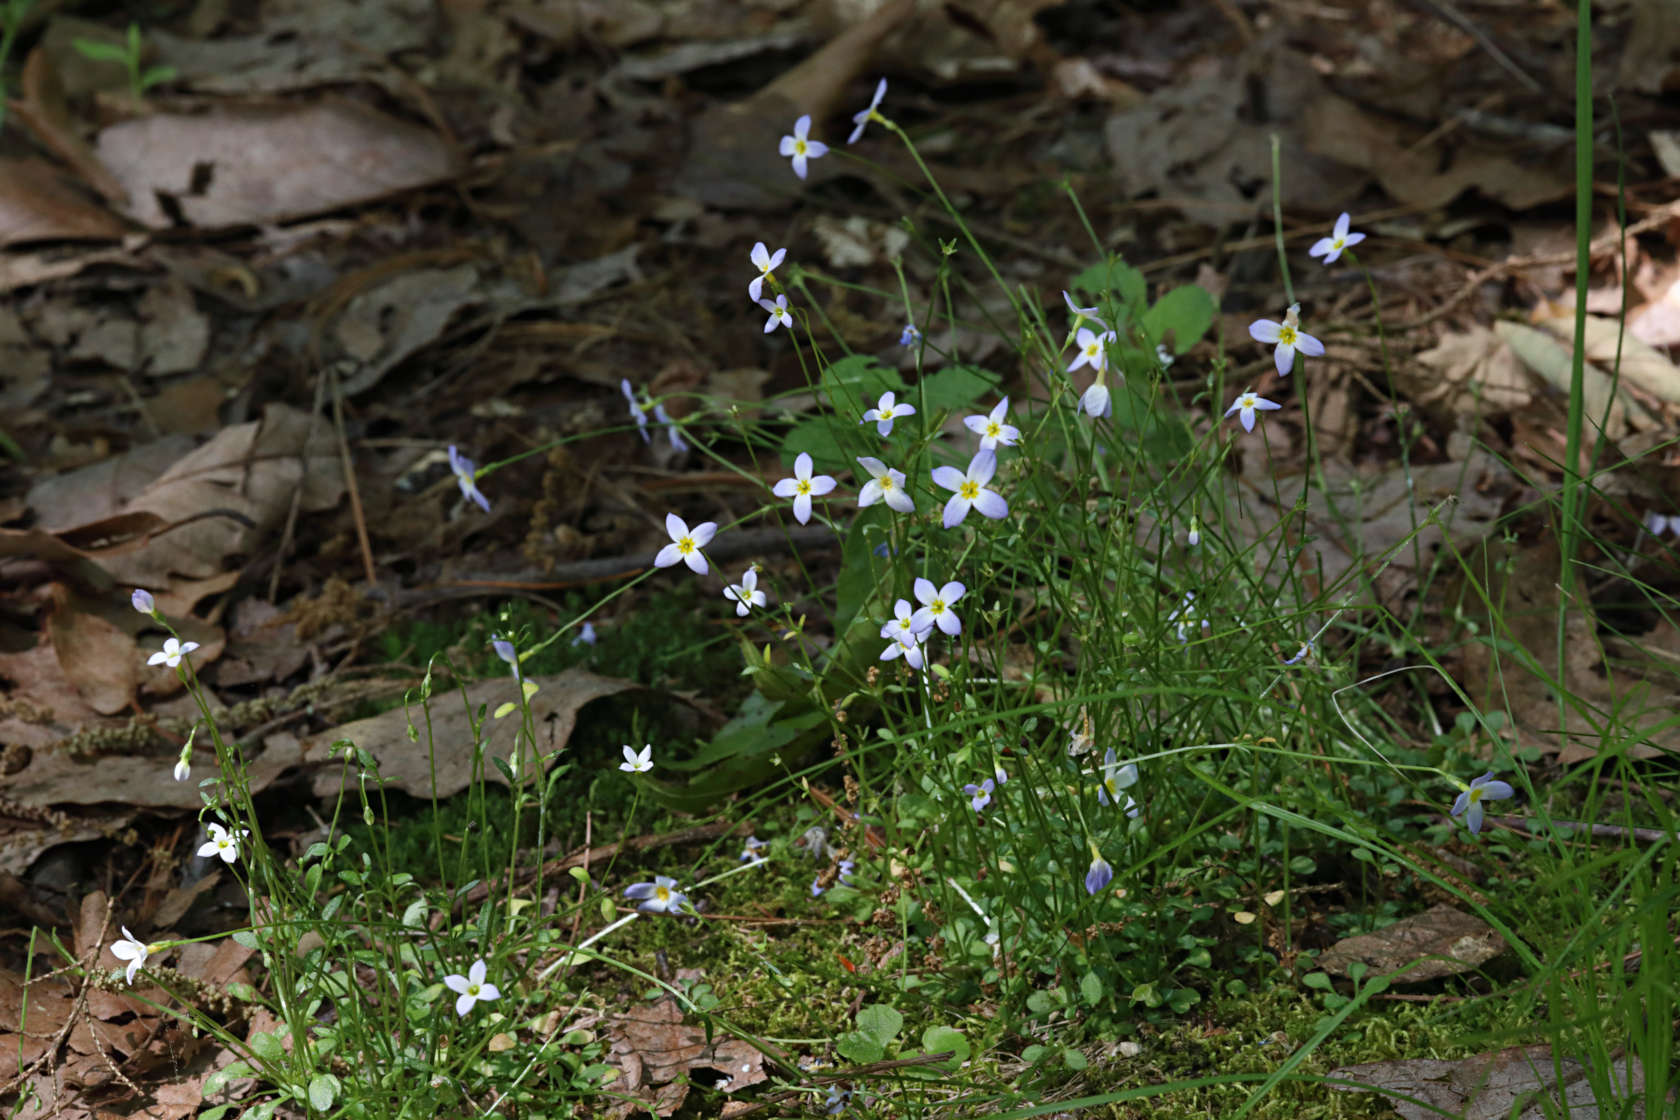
{"x":1331,"y":247}
{"x":746,"y":595}
{"x":800,"y":147}
{"x":936,"y":607}
{"x":637,"y":761}
{"x":1245,"y":406}
{"x":887,"y":410}
{"x":779,"y":314}
{"x":991,"y":428}
{"x":980,"y":796}
{"x":802,"y":487}
{"x":685,"y":544}
{"x":658,"y":897}
{"x":903,"y":626}
{"x":766,"y":262}
{"x":1093,"y":349}
{"x":884,"y":485}
{"x":865,"y":115}
{"x":222,"y":843}
{"x":171,"y":653}
{"x":1288,"y":337}
{"x":471,"y":988}
{"x":970,"y":491}
{"x":132,"y":950}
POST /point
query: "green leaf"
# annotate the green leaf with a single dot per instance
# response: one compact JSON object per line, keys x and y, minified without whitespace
{"x":1074,"y":1060}
{"x":1044,"y":1002}
{"x":1033,"y":1053}
{"x":859,"y":1047}
{"x":956,"y":388}
{"x":1091,"y":988}
{"x":860,"y":569}
{"x":1182,"y":999}
{"x":1187,"y":312}
{"x":881,"y":1022}
{"x":246,"y":938}
{"x":852,"y":381}
{"x":1317,"y":980}
{"x":96,"y":51}
{"x":217,"y":1081}
{"x":323,"y":1090}
{"x":266,"y":1046}
{"x":819,"y":437}
{"x":937,"y":1040}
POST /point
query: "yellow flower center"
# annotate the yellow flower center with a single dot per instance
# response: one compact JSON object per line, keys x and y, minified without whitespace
{"x":1286,"y":335}
{"x":937,"y":607}
{"x":685,"y":545}
{"x":994,"y":429}
{"x":1476,"y":795}
{"x":970,"y":490}
{"x":886,"y":482}
{"x":472,"y":989}
{"x":798,"y":147}
{"x":662,"y":893}
{"x":803,"y":486}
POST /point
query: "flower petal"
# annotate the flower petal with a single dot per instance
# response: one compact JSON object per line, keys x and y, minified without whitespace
{"x":992,"y":504}
{"x":1265,"y":330}
{"x":949,"y":478}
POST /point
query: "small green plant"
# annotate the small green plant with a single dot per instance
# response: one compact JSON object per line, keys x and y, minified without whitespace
{"x":130,"y":54}
{"x":12,"y":14}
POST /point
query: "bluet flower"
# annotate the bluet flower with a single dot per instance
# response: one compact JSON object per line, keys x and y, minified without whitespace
{"x":1186,"y":615}
{"x":980,"y":796}
{"x":1096,"y":402}
{"x":658,"y":897}
{"x":1116,"y":779}
{"x":222,"y":843}
{"x":1655,"y":523}
{"x":1081,"y":314}
{"x":766,"y":262}
{"x":750,"y":853}
{"x":909,"y":648}
{"x":1093,"y":350}
{"x":685,"y":545}
{"x":846,"y":868}
{"x":779,"y":314}
{"x":1300,"y":654}
{"x":132,"y":950}
{"x":837,"y":1100}
{"x":637,"y":412}
{"x":746,"y":595}
{"x":1245,"y":405}
{"x":1163,"y":355}
{"x":969,"y":490}
{"x":171,"y":653}
{"x":886,"y":410}
{"x":816,"y":884}
{"x":1288,"y":337}
{"x":904,"y":626}
{"x":802,"y":487}
{"x":991,"y":428}
{"x":1331,"y":247}
{"x":671,"y":430}
{"x":884,"y":485}
{"x":585,"y":635}
{"x":800,"y":147}
{"x":637,"y":761}
{"x":1194,"y":536}
{"x":466,"y":477}
{"x":1484,"y":788}
{"x":471,"y":988}
{"x":504,"y":650}
{"x":144,"y":603}
{"x":1100,"y":874}
{"x":910,"y":335}
{"x":936,"y":607}
{"x":867,"y":114}
{"x":183,"y":767}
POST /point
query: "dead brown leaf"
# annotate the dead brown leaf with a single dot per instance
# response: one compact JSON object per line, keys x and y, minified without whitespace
{"x":1607,"y":343}
{"x":1441,"y":941}
{"x":655,"y":1052}
{"x":1474,"y":373}
{"x":38,"y":204}
{"x":1493,"y":1086}
{"x":239,"y":166}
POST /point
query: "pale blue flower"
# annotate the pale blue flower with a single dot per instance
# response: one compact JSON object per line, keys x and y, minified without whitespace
{"x":1288,"y":337}
{"x":1331,"y":247}
{"x":886,"y":410}
{"x":800,"y":147}
{"x":862,"y":118}
{"x":751,"y":853}
{"x":585,"y":636}
{"x":936,"y":607}
{"x":685,"y":545}
{"x":1300,"y":654}
{"x":658,"y":897}
{"x":1116,"y":779}
{"x":766,"y":263}
{"x":780,"y":316}
{"x":671,"y":429}
{"x":1484,"y":788}
{"x":1245,"y":405}
{"x":1100,"y":874}
{"x":637,"y":412}
{"x":746,"y":595}
{"x":991,"y":428}
{"x":846,"y":868}
{"x":980,"y":795}
{"x":504,"y":650}
{"x":171,"y":653}
{"x":466,"y":477}
{"x":142,"y":601}
{"x":1092,"y":349}
{"x":885,"y":485}
{"x":803,"y":486}
{"x":1080,"y":314}
{"x":908,"y":648}
{"x":910,"y":336}
{"x":969,"y":490}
